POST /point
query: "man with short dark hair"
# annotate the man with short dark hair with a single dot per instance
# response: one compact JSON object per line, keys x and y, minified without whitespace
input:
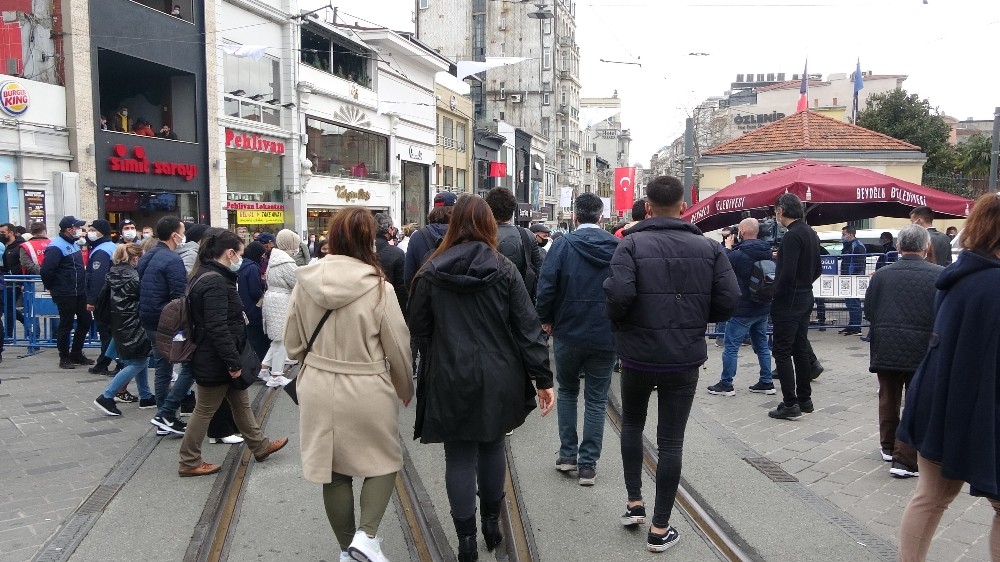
{"x":571,"y":306}
{"x":64,"y":275}
{"x":638,"y":214}
{"x":797,"y":268}
{"x":852,"y":262}
{"x":390,"y":257}
{"x":924,"y":216}
{"x":162,"y":278}
{"x":667,"y":282}
{"x":33,"y":250}
{"x":514,"y":241}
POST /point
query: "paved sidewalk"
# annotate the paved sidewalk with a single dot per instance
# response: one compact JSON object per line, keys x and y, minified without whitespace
{"x":55,"y":446}
{"x":834,"y":451}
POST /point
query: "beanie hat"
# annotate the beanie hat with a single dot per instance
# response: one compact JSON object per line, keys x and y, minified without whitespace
{"x":288,"y":241}
{"x":102,"y":226}
{"x":195,"y":232}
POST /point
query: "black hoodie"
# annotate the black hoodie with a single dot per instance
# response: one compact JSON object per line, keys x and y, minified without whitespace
{"x":484,"y":342}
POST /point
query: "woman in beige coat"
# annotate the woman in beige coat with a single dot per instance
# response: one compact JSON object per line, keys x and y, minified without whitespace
{"x":356,"y":370}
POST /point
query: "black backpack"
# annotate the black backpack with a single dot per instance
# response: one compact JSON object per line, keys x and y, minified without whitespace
{"x":761,"y":284}
{"x":528,"y":273}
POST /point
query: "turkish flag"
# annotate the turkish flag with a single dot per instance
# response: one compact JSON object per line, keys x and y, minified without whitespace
{"x":624,"y":188}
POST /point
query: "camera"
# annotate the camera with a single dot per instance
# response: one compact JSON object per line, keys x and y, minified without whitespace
{"x":733,"y":231}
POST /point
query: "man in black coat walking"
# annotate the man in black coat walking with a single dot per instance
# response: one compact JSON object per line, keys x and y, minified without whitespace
{"x":390,"y":257}
{"x":667,"y":282}
{"x":900,"y":306}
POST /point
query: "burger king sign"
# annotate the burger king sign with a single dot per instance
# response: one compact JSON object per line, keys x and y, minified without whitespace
{"x":13,"y":98}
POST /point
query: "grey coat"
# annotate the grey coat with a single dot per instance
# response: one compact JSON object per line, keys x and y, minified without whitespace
{"x":900,"y":305}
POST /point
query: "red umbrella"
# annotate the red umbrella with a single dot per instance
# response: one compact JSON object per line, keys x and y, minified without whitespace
{"x":832,"y":194}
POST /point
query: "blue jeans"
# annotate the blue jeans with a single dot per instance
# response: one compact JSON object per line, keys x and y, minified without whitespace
{"x":853,"y":313}
{"x":168,"y":399}
{"x":134,"y":369}
{"x":596,"y":366}
{"x":736,"y":331}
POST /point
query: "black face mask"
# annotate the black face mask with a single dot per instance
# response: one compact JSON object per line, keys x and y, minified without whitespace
{"x":541,"y":243}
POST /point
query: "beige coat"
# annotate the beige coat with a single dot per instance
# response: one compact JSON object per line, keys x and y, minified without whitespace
{"x":357,"y":372}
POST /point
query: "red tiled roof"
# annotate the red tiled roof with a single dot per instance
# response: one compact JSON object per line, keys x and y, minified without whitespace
{"x":789,"y":84}
{"x":808,"y":130}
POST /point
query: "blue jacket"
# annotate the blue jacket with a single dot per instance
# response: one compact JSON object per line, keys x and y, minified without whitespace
{"x":742,"y":258}
{"x":98,"y":266}
{"x":570,"y":293}
{"x":251,"y":290}
{"x":852,"y":261}
{"x":63,"y":273}
{"x":162,"y":278}
{"x":952,"y":413}
{"x":422,"y":243}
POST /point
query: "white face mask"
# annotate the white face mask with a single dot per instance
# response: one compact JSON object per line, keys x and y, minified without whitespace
{"x":129,"y":234}
{"x":182,"y":240}
{"x":147,"y":235}
{"x":93,"y":236}
{"x":78,"y":233}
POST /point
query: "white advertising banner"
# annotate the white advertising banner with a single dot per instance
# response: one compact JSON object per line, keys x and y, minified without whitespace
{"x":566,"y":197}
{"x":607,"y":207}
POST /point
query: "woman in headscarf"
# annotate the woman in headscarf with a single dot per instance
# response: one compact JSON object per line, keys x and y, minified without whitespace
{"x":280,"y":282}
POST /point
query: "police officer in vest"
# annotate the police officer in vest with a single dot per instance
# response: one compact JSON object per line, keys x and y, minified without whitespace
{"x":101,"y":250}
{"x":65,"y":277}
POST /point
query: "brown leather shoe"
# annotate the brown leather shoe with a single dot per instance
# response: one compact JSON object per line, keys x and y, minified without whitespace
{"x":274,"y":447}
{"x":203,"y":470}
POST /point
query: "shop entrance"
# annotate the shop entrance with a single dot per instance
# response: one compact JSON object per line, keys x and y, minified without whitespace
{"x":318,"y":220}
{"x":145,"y":208}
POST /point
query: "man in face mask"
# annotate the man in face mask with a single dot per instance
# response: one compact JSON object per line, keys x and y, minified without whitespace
{"x":101,"y":250}
{"x":128,"y":232}
{"x":542,"y":237}
{"x":147,"y":232}
{"x":64,"y":275}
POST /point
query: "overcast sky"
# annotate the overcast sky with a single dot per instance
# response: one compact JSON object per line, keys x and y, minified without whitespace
{"x":946,"y":47}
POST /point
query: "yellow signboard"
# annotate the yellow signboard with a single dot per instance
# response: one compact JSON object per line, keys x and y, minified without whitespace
{"x":260,"y":217}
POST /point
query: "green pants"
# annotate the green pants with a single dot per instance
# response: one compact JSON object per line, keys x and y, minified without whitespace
{"x":338,"y":498}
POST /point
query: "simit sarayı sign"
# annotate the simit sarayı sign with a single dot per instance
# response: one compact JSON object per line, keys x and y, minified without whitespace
{"x":139,"y":164}
{"x":253,"y":141}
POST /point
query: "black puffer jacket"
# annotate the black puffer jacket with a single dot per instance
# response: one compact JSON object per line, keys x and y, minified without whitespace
{"x":485,"y":341}
{"x":391,"y":258}
{"x":217,"y":320}
{"x":667,"y":283}
{"x":900,"y":305}
{"x":130,"y":337}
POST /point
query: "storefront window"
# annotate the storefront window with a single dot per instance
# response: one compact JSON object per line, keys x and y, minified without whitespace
{"x":144,"y":208}
{"x":337,"y":56}
{"x":339,"y":151}
{"x":318,"y":220}
{"x":414,"y":193}
{"x":254,"y":196}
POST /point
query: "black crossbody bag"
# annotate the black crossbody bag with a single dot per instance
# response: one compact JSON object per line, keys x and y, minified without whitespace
{"x":290,"y":387}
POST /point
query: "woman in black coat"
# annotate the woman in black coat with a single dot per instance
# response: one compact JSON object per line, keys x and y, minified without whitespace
{"x":219,"y":326}
{"x":131,"y":344}
{"x":485,"y":349}
{"x":952,"y":414}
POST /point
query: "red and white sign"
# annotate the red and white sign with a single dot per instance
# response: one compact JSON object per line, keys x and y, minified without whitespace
{"x":624,"y":187}
{"x":253,"y":141}
{"x":139,"y":164}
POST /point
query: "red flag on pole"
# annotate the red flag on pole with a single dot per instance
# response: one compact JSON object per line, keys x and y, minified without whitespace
{"x":624,"y":188}
{"x":804,"y":90}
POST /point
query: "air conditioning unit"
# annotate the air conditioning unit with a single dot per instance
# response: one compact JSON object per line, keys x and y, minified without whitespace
{"x":515,"y":98}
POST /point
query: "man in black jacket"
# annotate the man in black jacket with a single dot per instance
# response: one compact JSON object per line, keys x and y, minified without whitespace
{"x":667,"y":282}
{"x":390,"y":257}
{"x":900,"y":306}
{"x":940,"y":243}
{"x":11,"y":265}
{"x":424,"y":241}
{"x":515,"y":242}
{"x":64,"y":276}
{"x":798,"y":266}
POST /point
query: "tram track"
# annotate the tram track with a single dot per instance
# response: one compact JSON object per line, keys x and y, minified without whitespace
{"x":726,"y":544}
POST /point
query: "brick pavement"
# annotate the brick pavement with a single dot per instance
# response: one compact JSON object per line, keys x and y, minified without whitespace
{"x":834,"y":451}
{"x":55,"y":446}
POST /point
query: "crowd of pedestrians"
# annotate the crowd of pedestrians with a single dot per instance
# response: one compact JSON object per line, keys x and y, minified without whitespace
{"x":459,"y":314}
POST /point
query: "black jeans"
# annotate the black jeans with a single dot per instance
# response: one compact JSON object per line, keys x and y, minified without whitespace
{"x":467,"y":461}
{"x":790,"y":316}
{"x":674,"y":395}
{"x":71,"y":308}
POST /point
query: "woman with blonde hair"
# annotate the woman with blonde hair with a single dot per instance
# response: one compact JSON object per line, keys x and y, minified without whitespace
{"x":346,"y":326}
{"x":131,"y":346}
{"x":470,"y":394}
{"x":953,"y":403}
{"x":280,"y":281}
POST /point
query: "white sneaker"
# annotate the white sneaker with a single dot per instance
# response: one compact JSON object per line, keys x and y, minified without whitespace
{"x":227,"y":440}
{"x":264,"y":374}
{"x":277,"y":380}
{"x":345,"y":557}
{"x":366,"y":549}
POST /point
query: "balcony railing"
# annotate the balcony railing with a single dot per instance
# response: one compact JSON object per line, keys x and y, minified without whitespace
{"x":259,"y":111}
{"x":451,"y":143}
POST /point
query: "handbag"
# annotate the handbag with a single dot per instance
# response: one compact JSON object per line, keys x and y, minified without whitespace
{"x":290,"y":387}
{"x":250,"y":366}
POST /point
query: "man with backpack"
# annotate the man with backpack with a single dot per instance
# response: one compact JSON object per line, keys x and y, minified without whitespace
{"x":513,"y":241}
{"x":162,"y":278}
{"x":754,"y":269}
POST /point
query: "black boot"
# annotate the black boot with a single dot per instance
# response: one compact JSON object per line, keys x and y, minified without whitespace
{"x":490,"y":518}
{"x":468,"y":550}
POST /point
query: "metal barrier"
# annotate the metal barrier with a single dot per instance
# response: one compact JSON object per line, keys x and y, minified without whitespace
{"x":31,"y":318}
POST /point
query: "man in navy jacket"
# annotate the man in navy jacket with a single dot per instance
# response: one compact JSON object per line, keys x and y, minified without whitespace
{"x":101,"y":251}
{"x":64,"y":276}
{"x":750,"y":316}
{"x":570,"y":303}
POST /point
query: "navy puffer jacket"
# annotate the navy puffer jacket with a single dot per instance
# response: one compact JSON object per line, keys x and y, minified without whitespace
{"x":162,"y":278}
{"x":742,"y":258}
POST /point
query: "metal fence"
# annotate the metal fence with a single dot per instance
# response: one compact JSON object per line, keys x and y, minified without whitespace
{"x":31,"y":317}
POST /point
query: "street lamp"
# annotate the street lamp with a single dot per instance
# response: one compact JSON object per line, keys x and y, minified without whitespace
{"x":543,"y":13}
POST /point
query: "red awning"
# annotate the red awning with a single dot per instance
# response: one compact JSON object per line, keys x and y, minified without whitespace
{"x":832,"y":194}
